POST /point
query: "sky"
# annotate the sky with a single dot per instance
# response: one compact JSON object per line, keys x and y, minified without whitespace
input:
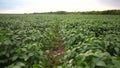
{"x":30,"y":6}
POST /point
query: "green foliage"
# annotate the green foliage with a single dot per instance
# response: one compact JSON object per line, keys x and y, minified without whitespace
{"x":90,"y":41}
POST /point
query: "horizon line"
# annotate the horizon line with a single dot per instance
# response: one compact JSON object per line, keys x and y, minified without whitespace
{"x":58,"y":11}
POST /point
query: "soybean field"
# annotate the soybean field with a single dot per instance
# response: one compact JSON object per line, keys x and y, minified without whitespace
{"x":59,"y":41}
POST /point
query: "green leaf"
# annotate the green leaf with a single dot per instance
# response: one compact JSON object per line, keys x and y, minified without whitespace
{"x":35,"y":66}
{"x":14,"y":58}
{"x":20,"y":64}
{"x":100,"y":63}
{"x":116,"y":49}
{"x":30,"y":54}
{"x":59,"y":67}
{"x":7,"y":42}
{"x":16,"y":67}
{"x":24,"y":49}
{"x":25,"y":57}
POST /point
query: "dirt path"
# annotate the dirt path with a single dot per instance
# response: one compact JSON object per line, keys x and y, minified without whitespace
{"x":55,"y":54}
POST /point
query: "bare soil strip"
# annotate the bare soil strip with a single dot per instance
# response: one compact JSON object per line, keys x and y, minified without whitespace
{"x":57,"y":53}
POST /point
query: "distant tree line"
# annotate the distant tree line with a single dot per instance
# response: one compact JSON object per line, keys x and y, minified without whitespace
{"x":106,"y":12}
{"x":111,"y":12}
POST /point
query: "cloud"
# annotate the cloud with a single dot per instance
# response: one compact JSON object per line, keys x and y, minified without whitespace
{"x":11,"y":4}
{"x":111,"y":3}
{"x":25,"y":6}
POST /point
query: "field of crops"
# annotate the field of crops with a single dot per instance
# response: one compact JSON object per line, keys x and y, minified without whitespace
{"x":59,"y":41}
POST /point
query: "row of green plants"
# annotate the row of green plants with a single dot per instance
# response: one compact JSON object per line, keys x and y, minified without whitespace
{"x":92,"y":42}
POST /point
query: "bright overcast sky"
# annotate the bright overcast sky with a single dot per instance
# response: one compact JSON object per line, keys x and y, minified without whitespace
{"x":29,"y":6}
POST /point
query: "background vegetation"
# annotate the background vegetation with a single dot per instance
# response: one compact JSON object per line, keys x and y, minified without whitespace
{"x":106,"y":12}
